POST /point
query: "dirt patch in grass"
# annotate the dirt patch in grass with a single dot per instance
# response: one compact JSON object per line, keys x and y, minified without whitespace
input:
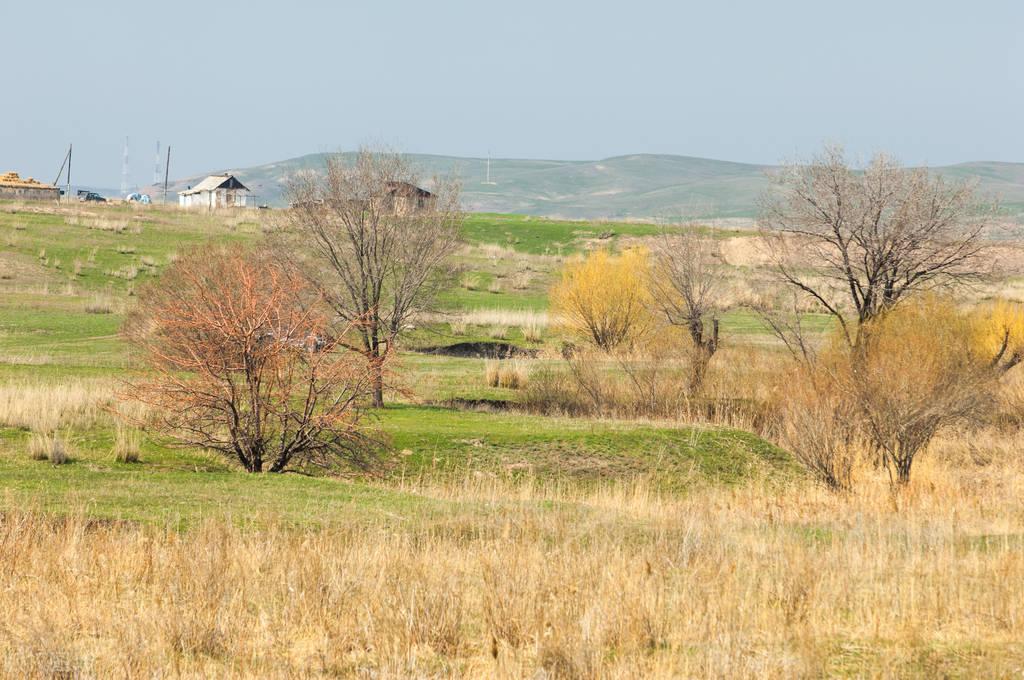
{"x":482,"y":350}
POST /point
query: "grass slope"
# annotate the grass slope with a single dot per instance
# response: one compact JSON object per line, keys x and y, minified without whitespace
{"x":622,"y":187}
{"x":59,"y":265}
{"x":181,"y":486}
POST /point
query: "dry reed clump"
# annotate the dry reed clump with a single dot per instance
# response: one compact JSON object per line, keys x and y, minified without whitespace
{"x":508,"y":373}
{"x":512,"y":581}
{"x":532,"y":332}
{"x":100,"y":304}
{"x":505,"y":317}
{"x":50,"y":447}
{"x":498,"y":332}
{"x":471,"y":281}
{"x":127,"y":444}
{"x":44,"y":407}
{"x":128,"y":272}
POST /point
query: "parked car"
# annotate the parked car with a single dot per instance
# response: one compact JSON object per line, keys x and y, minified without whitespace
{"x":90,"y":196}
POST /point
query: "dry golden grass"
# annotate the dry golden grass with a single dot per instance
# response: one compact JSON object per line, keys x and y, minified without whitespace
{"x":48,"y":447}
{"x":504,"y":317}
{"x":508,"y":373}
{"x":103,"y":303}
{"x":527,"y":581}
{"x":43,"y":407}
{"x":127,"y":443}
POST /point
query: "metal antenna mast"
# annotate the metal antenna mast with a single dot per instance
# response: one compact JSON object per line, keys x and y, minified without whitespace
{"x":124,"y":170}
{"x":488,"y":180}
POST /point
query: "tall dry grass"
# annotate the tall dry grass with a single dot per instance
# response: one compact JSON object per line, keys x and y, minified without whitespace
{"x":505,"y":317}
{"x":46,"y":406}
{"x":741,"y":388}
{"x":512,"y":374}
{"x":503,"y":581}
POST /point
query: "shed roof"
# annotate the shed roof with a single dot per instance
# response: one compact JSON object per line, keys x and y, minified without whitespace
{"x":407,"y":189}
{"x":214,"y":182}
{"x":12,"y":179}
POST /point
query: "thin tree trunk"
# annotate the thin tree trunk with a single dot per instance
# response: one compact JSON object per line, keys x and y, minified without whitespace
{"x":378,"y":387}
{"x":378,"y":374}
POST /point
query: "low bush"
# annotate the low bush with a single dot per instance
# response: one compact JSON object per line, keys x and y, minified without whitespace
{"x":507,"y":373}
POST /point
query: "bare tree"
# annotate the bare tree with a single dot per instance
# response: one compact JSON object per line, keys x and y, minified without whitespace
{"x":376,"y":245}
{"x":687,"y":288}
{"x":859,"y":242}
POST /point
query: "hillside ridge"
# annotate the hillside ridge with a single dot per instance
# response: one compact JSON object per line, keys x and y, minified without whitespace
{"x":629,"y":186}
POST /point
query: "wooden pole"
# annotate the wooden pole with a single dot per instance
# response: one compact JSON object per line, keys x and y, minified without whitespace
{"x":167,"y":170}
{"x":69,"y":173}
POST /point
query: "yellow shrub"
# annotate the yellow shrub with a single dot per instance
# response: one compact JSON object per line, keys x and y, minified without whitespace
{"x":999,"y":330}
{"x":603,"y":299}
{"x":918,"y":370}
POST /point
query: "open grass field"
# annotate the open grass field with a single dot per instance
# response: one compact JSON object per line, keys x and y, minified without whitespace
{"x":488,"y":541}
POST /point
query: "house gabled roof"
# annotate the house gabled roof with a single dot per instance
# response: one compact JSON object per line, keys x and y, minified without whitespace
{"x":214,"y":182}
{"x":407,"y":189}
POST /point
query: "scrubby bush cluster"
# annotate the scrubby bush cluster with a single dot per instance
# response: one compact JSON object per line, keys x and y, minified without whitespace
{"x":878,"y":251}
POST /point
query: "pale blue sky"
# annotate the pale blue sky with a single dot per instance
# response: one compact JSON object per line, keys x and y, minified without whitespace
{"x":232,"y":84}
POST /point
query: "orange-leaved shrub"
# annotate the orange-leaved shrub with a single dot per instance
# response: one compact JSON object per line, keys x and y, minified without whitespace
{"x":241,"y":360}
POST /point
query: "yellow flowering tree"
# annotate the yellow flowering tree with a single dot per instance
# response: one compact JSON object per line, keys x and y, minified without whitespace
{"x":603,"y":299}
{"x":999,"y":333}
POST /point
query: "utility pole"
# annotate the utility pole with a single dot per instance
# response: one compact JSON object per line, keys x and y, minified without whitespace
{"x":65,"y":163}
{"x":167,"y":170}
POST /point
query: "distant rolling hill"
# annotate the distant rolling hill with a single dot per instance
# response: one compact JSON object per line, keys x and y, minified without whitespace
{"x":623,"y":187}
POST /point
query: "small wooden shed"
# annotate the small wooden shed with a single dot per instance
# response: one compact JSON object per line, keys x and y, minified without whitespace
{"x":216,"y":191}
{"x":403,"y":197}
{"x":13,"y":186}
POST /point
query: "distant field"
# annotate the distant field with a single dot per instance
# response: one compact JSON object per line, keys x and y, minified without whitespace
{"x":70,"y":275}
{"x":486,"y":541}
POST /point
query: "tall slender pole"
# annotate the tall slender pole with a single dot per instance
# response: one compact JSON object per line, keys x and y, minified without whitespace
{"x":69,"y":173}
{"x":167,"y":170}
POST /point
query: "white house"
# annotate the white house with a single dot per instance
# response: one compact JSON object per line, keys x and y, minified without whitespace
{"x":216,"y":191}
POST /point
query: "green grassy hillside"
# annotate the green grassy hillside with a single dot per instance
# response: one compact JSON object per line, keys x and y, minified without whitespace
{"x":69,"y":275}
{"x":623,"y":187}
